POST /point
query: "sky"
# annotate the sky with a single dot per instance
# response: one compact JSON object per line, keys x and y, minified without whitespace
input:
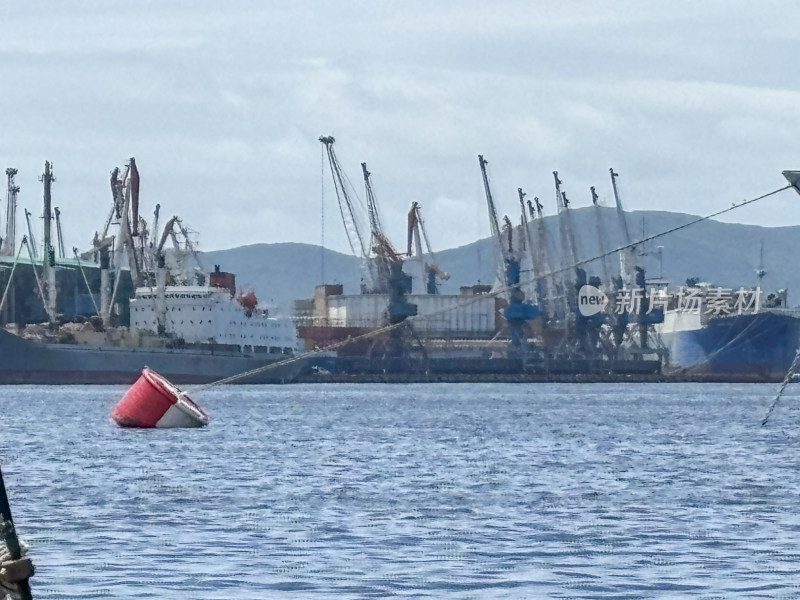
{"x":695,"y":104}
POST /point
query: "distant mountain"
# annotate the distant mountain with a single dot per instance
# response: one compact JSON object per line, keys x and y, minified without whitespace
{"x":726,"y":254}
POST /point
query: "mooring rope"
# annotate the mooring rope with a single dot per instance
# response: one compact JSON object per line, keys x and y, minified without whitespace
{"x":667,"y":232}
{"x":721,"y":349}
{"x":302,"y":357}
{"x":500,"y":290}
{"x":86,"y":281}
{"x":786,"y":381}
{"x":11,"y":275}
{"x":38,"y":280}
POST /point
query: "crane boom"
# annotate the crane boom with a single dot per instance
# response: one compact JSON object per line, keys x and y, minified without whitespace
{"x":554,"y":284}
{"x":494,"y":224}
{"x":61,"y":253}
{"x":153,"y":253}
{"x":168,"y":230}
{"x":533,"y":251}
{"x":601,"y":237}
{"x":384,"y":253}
{"x":31,"y":239}
{"x":376,"y":228}
{"x":351,"y":217}
{"x":568,"y":246}
{"x":190,"y":244}
{"x":134,"y":183}
{"x":518,"y":310}
{"x":627,"y":258}
{"x":358,"y":245}
{"x":565,"y":224}
{"x":417,"y":233}
{"x":372,"y":206}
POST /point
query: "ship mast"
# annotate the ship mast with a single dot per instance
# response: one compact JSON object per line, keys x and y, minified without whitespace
{"x":49,"y":259}
{"x":761,"y":272}
{"x":10,"y":239}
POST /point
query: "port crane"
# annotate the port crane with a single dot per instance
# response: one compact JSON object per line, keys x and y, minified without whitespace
{"x":518,"y":311}
{"x":585,"y":330}
{"x":537,"y":255}
{"x":390,"y":278}
{"x":384,"y":257}
{"x":553,"y":291}
{"x":351,"y":213}
{"x":633,"y":278}
{"x":125,"y":194}
{"x":161,"y":273}
{"x":573,"y":279}
{"x":601,"y":238}
{"x":382,"y":265}
{"x":111,"y":248}
{"x":175,"y":230}
{"x":429,"y":271}
{"x":627,"y":257}
{"x":145,"y":260}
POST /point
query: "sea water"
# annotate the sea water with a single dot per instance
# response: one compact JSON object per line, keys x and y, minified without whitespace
{"x":440,"y":490}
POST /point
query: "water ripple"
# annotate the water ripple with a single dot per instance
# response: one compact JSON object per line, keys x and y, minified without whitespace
{"x":467,"y":491}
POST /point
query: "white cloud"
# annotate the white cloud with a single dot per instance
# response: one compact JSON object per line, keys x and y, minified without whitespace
{"x":222,"y":106}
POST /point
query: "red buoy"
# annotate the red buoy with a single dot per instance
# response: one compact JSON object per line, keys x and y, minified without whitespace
{"x":154,"y":402}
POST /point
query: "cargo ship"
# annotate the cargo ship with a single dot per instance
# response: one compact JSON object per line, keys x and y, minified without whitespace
{"x":163,"y":311}
{"x":753,"y":347}
{"x":757,"y":344}
{"x":213,"y":337}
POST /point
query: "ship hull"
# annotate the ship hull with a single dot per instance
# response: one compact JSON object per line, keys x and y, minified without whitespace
{"x":756,"y":347}
{"x":28,"y":361}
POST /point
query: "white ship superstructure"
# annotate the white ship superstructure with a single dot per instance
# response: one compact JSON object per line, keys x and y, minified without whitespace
{"x":209,"y":315}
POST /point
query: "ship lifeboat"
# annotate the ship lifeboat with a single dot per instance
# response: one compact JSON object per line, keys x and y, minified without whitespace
{"x":248,"y":301}
{"x":153,"y":402}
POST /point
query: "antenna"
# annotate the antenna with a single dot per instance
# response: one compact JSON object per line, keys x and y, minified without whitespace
{"x":760,"y":271}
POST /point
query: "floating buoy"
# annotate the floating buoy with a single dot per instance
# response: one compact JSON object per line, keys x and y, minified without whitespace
{"x":154,"y":402}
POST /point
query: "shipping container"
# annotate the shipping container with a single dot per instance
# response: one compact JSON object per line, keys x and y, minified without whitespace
{"x":439,"y":314}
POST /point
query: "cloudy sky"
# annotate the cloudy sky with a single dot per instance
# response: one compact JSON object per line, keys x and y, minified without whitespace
{"x":695,"y":104}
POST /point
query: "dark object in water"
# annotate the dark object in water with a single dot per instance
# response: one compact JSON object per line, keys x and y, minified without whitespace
{"x":14,"y":569}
